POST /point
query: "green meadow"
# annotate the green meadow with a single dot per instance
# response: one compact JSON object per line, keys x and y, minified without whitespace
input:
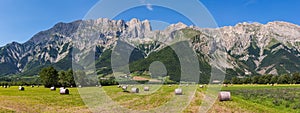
{"x":244,"y":98}
{"x":40,"y":99}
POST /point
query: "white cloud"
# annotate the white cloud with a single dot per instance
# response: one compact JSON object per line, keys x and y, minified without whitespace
{"x":149,"y":7}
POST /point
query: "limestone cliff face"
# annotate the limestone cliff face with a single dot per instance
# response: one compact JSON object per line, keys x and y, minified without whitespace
{"x":252,"y":48}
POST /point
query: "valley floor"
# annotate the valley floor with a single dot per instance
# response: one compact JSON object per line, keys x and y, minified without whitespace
{"x":245,"y":99}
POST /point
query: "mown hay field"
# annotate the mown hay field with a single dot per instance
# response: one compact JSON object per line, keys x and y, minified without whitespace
{"x":244,"y":98}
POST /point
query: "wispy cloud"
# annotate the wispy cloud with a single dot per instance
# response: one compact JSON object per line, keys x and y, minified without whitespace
{"x":249,"y":2}
{"x":148,"y":5}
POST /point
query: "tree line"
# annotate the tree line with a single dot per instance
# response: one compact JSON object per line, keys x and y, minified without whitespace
{"x":51,"y":77}
{"x":267,"y":79}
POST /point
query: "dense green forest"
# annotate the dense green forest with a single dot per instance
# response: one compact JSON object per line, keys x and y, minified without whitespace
{"x":49,"y":76}
{"x":267,"y":79}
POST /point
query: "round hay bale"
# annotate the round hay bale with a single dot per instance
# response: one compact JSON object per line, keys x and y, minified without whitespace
{"x":146,"y":88}
{"x":119,"y":86}
{"x":124,"y":88}
{"x":225,"y":85}
{"x":178,"y":91}
{"x":32,"y":86}
{"x":169,"y":85}
{"x":80,"y":86}
{"x":5,"y":86}
{"x":64,"y":91}
{"x":52,"y":88}
{"x":224,"y":96}
{"x":135,"y":90}
{"x":21,"y":88}
{"x":99,"y":86}
{"x":61,"y":88}
{"x":201,"y":86}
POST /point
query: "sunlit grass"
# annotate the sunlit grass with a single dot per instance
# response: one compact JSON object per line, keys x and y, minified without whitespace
{"x":39,"y":99}
{"x":142,"y":101}
{"x":43,"y":100}
{"x":263,"y":98}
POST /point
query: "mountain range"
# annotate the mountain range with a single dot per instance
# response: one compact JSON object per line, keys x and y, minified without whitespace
{"x":251,"y":48}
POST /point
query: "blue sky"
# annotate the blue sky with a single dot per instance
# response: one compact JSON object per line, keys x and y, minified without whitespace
{"x":21,"y":19}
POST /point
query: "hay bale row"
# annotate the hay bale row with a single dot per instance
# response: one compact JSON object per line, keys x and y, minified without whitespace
{"x":224,"y":96}
{"x":178,"y":91}
{"x":5,"y":86}
{"x":62,"y":90}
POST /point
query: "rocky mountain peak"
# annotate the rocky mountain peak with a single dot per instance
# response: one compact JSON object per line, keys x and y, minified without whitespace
{"x":67,"y":29}
{"x":250,"y":46}
{"x":139,"y":25}
{"x":178,"y":25}
{"x":137,"y":28}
